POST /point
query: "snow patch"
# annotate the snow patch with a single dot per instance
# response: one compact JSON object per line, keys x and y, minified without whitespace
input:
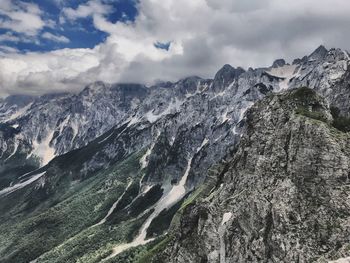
{"x":64,"y":124}
{"x":172,"y":140}
{"x":105,"y":139}
{"x":113,"y":206}
{"x":75,"y":128}
{"x":336,"y":75}
{"x":205,"y":142}
{"x":178,"y":191}
{"x":133,"y":120}
{"x":19,"y":113}
{"x":220,"y":94}
{"x":144,"y":158}
{"x":222,"y":229}
{"x":224,"y":117}
{"x":20,"y":185}
{"x":144,"y":162}
{"x":173,"y":196}
{"x":242,"y":111}
{"x":15,"y":148}
{"x":198,"y":90}
{"x":341,"y":260}
{"x":146,"y":189}
{"x":172,"y":107}
{"x":287,"y":72}
{"x":226,"y":217}
{"x":234,"y":131}
{"x":43,"y":149}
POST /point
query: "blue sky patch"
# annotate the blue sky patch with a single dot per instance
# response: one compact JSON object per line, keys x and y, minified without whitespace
{"x":80,"y":33}
{"x":161,"y":45}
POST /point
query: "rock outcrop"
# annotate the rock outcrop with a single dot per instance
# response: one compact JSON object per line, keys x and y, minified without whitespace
{"x":283,"y":197}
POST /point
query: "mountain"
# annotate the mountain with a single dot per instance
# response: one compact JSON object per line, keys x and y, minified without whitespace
{"x":105,"y":174}
{"x":283,"y":196}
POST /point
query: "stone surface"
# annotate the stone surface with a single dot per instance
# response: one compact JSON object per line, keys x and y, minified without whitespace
{"x":286,"y":189}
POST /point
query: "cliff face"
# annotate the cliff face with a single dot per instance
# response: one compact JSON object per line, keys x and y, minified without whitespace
{"x":283,"y":197}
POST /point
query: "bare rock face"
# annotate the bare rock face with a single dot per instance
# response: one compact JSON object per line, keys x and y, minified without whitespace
{"x":283,"y":197}
{"x":279,"y":63}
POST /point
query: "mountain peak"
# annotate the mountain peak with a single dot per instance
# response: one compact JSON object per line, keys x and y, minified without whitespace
{"x":189,"y":78}
{"x":225,"y":76}
{"x":226,"y":67}
{"x":279,"y":63}
{"x":319,"y":53}
{"x":188,"y":84}
{"x":93,"y":88}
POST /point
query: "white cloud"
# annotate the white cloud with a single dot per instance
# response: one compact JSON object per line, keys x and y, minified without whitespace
{"x":55,"y":38}
{"x":204,"y":35}
{"x":92,"y":7}
{"x":50,"y":23}
{"x":4,"y":50}
{"x":21,"y":17}
{"x":9,"y":37}
{"x":35,"y":72}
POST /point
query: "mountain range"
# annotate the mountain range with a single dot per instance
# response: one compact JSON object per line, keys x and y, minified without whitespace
{"x":250,"y":166}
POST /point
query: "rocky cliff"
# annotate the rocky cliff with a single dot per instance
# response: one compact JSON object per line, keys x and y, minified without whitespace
{"x":284,"y":195}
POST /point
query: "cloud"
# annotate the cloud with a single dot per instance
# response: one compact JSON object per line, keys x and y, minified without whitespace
{"x":33,"y":73}
{"x":55,"y":38}
{"x":9,"y":37}
{"x":6,"y":50}
{"x":204,"y":35}
{"x":242,"y":33}
{"x":23,"y":22}
{"x":16,"y":38}
{"x":238,"y":6}
{"x":21,"y":17}
{"x":92,"y":7}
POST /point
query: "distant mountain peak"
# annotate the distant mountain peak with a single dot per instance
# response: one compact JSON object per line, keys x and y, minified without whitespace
{"x":226,"y":75}
{"x":279,"y":63}
{"x":319,"y":53}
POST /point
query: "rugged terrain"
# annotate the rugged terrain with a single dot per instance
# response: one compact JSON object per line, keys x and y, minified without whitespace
{"x":283,"y":197}
{"x":101,"y":175}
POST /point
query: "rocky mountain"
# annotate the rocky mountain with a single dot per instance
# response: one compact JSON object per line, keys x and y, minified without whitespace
{"x":103,"y":174}
{"x":282,"y":197}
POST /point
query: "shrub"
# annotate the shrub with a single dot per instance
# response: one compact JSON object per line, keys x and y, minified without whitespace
{"x":303,"y":94}
{"x":335,"y":112}
{"x":340,"y":122}
{"x":311,"y":114}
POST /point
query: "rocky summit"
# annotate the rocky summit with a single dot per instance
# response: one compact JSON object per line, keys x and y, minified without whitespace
{"x":250,"y":166}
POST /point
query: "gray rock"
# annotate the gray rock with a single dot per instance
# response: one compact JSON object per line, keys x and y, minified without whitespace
{"x":318,"y":54}
{"x":283,"y":197}
{"x":278,"y":63}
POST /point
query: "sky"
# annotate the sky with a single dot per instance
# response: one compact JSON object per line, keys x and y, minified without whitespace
{"x":63,"y":45}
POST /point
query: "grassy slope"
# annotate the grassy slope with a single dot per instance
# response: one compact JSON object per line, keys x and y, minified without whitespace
{"x":29,"y":235}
